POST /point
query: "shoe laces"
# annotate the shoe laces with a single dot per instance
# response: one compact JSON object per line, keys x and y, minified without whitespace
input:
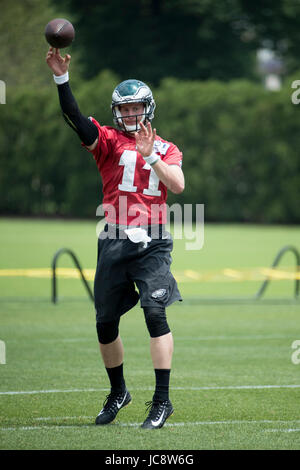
{"x":155,"y":407}
{"x":110,"y":402}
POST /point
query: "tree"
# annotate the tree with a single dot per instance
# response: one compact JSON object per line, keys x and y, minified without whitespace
{"x":150,"y":39}
{"x":186,"y":39}
{"x":23,"y":44}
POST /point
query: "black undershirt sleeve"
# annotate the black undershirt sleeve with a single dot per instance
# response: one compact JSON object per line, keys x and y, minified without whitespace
{"x":84,"y":127}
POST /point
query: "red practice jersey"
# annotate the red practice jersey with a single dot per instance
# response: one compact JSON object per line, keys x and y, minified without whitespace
{"x":132,"y":192}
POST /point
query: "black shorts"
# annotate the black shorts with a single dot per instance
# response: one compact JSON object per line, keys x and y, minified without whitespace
{"x":123,"y":266}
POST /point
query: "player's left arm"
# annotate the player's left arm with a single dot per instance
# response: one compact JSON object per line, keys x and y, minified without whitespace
{"x":171,"y":175}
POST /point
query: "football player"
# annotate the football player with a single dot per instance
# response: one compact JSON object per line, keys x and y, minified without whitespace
{"x":137,"y":168}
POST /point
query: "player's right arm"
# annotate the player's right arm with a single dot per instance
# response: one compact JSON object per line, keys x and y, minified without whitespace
{"x":84,"y":127}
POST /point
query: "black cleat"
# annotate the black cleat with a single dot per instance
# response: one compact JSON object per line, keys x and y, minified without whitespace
{"x":112,"y":405}
{"x":159,"y":412}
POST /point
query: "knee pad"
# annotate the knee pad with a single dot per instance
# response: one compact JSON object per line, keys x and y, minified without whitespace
{"x":156,"y":321}
{"x":107,"y":332}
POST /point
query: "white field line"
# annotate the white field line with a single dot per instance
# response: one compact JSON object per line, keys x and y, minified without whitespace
{"x":229,"y":387}
{"x":32,"y":428}
{"x":178,"y":338}
{"x":227,"y":337}
{"x":197,"y":423}
{"x":55,"y":418}
{"x":179,"y":424}
{"x":283,"y":430}
{"x":34,"y":392}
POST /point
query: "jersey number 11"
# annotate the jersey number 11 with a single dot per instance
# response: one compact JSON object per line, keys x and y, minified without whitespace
{"x":128,"y":160}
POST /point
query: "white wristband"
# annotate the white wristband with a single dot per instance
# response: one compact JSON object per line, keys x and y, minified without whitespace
{"x":60,"y":79}
{"x":151,"y":159}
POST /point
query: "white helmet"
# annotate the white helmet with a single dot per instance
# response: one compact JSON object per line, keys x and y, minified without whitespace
{"x":132,"y":91}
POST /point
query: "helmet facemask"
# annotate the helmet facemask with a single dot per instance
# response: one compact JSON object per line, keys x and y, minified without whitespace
{"x":121,"y":120}
{"x":132,"y":91}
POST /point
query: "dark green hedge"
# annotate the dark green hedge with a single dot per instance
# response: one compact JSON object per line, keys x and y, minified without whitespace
{"x":240,"y":142}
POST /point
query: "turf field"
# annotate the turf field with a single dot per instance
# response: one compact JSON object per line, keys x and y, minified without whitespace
{"x":233,"y":384}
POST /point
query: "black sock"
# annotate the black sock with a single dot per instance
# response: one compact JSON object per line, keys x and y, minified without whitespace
{"x":162,"y":377}
{"x":116,"y":378}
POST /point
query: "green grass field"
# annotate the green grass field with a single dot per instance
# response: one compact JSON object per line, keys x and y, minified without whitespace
{"x":233,"y":382}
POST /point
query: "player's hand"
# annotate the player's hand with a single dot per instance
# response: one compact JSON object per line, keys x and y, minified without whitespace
{"x":58,"y":64}
{"x":145,"y":139}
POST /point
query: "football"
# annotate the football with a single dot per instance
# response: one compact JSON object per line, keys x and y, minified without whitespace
{"x":59,"y":33}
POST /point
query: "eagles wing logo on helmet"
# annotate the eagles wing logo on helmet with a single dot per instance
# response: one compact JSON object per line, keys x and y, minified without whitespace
{"x":132,"y":91}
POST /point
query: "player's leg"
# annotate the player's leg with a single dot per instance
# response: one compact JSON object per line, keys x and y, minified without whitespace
{"x":114,"y":295}
{"x":112,"y":352}
{"x":161,"y":350}
{"x":158,"y":289}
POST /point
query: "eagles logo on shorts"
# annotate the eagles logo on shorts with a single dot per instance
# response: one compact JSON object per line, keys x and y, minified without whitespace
{"x":158,"y":293}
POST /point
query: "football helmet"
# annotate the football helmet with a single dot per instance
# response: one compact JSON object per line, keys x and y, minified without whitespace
{"x":132,"y":91}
